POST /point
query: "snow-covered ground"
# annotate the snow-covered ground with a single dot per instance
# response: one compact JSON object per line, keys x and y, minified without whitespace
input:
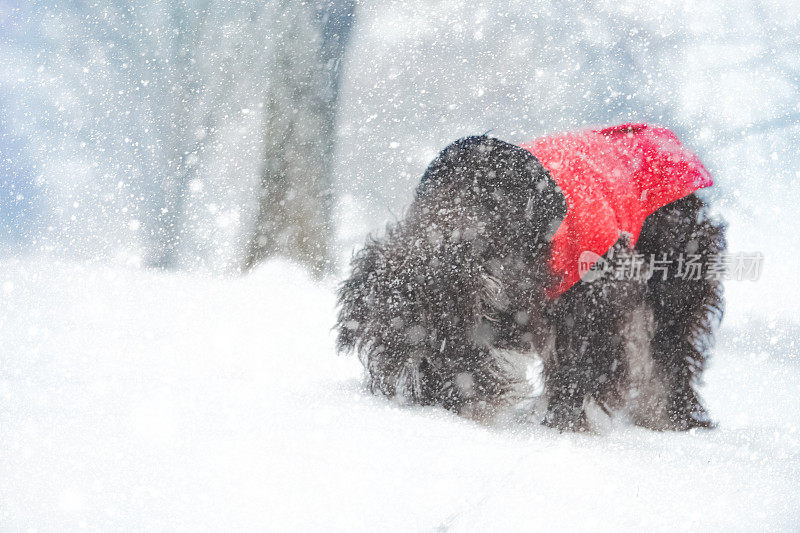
{"x":135,"y":400}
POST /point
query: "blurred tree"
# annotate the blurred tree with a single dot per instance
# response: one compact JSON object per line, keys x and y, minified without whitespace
{"x":182,"y":85}
{"x":295,"y":195}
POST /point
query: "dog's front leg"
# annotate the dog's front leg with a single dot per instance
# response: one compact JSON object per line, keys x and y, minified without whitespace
{"x":578,"y":367}
{"x":566,"y":402}
{"x":584,"y":367}
{"x":587,"y":363}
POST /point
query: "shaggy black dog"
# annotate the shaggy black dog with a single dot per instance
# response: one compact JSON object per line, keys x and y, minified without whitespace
{"x":434,"y":308}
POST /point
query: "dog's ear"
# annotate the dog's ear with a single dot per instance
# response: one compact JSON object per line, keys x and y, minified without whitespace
{"x":501,"y":173}
{"x":546,"y":206}
{"x":468,"y":163}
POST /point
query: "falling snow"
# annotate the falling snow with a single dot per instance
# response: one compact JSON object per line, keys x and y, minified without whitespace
{"x":146,"y":384}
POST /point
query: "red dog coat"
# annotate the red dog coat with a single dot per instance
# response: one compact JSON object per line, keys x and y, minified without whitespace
{"x":612,"y":179}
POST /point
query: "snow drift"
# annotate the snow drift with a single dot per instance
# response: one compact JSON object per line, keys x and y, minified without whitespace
{"x":134,"y":400}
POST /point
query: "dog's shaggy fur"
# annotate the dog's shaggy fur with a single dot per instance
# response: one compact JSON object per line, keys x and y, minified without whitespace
{"x":432,"y":307}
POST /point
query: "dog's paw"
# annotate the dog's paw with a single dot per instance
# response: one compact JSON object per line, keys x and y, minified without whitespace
{"x":691,"y":421}
{"x":689,"y":415}
{"x":678,"y":421}
{"x":564,"y":418}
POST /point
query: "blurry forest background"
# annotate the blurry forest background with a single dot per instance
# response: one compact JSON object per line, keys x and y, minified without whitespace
{"x":204,"y":135}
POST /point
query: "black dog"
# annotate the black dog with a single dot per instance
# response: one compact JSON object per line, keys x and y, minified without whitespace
{"x":434,"y":307}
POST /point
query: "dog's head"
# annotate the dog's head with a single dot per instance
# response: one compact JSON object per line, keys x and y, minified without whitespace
{"x":507,"y":180}
{"x":503,"y":207}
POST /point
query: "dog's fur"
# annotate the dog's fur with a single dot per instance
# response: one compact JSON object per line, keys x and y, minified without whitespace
{"x":432,"y":307}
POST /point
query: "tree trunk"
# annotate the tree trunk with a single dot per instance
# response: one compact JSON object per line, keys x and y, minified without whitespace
{"x":295,"y":198}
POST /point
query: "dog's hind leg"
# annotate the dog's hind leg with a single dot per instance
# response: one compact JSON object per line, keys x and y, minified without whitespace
{"x":685,"y":303}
